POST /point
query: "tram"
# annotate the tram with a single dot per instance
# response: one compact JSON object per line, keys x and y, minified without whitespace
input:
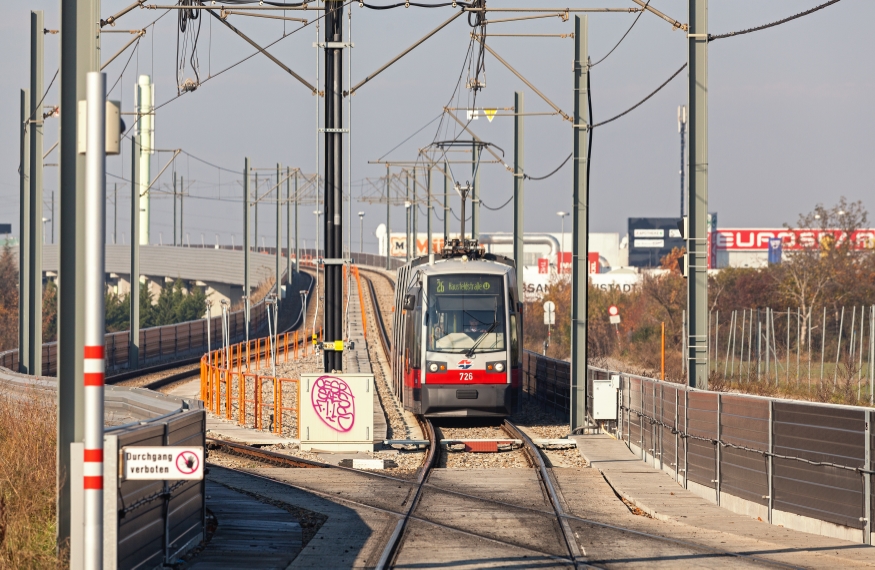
{"x":457,"y":335}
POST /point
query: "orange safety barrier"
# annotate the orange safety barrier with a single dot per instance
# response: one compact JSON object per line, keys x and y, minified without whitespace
{"x":243,"y":400}
{"x":225,"y":375}
{"x":278,"y":410}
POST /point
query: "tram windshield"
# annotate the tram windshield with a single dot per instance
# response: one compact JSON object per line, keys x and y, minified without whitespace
{"x":466,"y":313}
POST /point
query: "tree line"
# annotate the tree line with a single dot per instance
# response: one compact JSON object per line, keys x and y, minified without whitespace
{"x":829,"y":274}
{"x":176,"y":303}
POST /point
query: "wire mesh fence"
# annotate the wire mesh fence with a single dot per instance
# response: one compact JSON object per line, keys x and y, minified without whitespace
{"x":796,"y":347}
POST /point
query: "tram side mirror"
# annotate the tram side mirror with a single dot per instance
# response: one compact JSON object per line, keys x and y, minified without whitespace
{"x":409,"y":302}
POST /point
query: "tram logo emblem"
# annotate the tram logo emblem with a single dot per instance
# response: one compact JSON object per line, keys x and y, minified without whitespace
{"x":465,"y":364}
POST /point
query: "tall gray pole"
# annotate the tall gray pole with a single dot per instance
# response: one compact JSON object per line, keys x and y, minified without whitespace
{"x":428,"y":212}
{"x":78,"y":54}
{"x":255,"y":224}
{"x":174,"y":208}
{"x":447,"y":187}
{"x":289,"y":229}
{"x":697,"y":282}
{"x":246,"y":209}
{"x":407,"y":207}
{"x":114,"y":212}
{"x":388,"y":231}
{"x":475,"y":194}
{"x":414,"y":206}
{"x":297,"y":241}
{"x":134,"y":295}
{"x":35,"y":343}
{"x":580,"y":222}
{"x":518,"y":192}
{"x":181,"y":208}
{"x":279,"y":234}
{"x":24,"y":243}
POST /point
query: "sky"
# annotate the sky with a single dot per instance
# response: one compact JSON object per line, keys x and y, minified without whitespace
{"x":790,"y":113}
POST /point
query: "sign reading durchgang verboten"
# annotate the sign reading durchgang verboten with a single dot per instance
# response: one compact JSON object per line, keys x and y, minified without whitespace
{"x":163,"y":463}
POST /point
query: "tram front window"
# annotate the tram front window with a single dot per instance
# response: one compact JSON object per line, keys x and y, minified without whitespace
{"x":465,"y":312}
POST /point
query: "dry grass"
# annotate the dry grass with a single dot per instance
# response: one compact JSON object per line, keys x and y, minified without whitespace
{"x":28,"y":482}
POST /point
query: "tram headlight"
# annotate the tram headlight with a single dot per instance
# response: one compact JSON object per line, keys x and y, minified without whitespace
{"x":436,"y":366}
{"x":433,"y":367}
{"x":495,"y":366}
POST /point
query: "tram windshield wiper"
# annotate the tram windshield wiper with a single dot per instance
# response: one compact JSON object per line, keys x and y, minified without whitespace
{"x":482,"y":337}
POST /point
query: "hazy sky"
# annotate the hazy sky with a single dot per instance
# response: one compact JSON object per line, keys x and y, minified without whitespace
{"x":791,"y":118}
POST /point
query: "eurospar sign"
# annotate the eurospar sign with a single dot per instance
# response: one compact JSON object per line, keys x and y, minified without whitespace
{"x":758,"y":239}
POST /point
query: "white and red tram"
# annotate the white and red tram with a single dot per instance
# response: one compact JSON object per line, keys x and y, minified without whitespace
{"x":457,"y":335}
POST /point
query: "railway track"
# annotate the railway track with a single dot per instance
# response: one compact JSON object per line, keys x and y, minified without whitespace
{"x":480,"y":518}
{"x":402,"y":546}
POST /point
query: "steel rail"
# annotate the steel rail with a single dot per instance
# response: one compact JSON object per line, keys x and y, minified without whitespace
{"x":544,"y":475}
{"x":397,"y":536}
{"x":334,"y":498}
{"x":396,"y":539}
{"x":393,"y":547}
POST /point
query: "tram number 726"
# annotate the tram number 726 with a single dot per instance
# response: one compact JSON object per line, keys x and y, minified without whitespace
{"x":466,"y":376}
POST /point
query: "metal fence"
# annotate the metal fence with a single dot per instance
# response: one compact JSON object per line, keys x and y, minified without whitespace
{"x":157,"y":344}
{"x":545,"y":380}
{"x":781,"y":457}
{"x":148,"y":524}
{"x":800,"y":464}
{"x":798,"y":347}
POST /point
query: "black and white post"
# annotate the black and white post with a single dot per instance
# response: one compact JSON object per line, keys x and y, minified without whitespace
{"x":334,"y":45}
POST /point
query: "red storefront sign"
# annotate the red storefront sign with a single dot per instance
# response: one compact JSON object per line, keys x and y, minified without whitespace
{"x":543,"y":265}
{"x":593,"y":258}
{"x":758,"y":239}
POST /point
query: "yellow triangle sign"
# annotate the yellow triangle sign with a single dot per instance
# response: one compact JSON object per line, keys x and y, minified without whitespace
{"x":490,"y":113}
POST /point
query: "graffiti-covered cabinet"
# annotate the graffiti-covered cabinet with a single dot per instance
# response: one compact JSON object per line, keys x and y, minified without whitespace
{"x":337,"y":412}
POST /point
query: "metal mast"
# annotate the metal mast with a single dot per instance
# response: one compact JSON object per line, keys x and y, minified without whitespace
{"x":79,"y":54}
{"x":333,"y":323}
{"x":518,"y":196}
{"x":579,"y":242}
{"x":388,"y":232}
{"x":697,"y":241}
{"x":35,"y":281}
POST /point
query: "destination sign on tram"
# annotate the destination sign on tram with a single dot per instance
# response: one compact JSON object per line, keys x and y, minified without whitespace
{"x":469,"y":285}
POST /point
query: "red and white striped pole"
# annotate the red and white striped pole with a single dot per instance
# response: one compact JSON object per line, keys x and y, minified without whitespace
{"x":95,"y":230}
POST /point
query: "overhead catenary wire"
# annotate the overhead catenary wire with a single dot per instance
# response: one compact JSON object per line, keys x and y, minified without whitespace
{"x":641,"y":102}
{"x":250,"y":56}
{"x":482,"y":203}
{"x":414,"y":4}
{"x":635,"y":21}
{"x":712,"y":37}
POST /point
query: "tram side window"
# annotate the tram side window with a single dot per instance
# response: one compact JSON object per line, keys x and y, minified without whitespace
{"x":413,"y":336}
{"x":416,"y":341}
{"x":514,"y":341}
